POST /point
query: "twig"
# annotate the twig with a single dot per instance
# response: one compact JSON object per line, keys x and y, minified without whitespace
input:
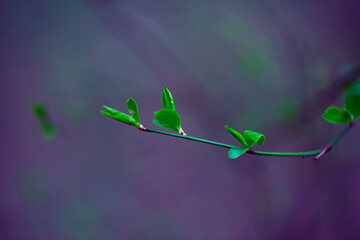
{"x":317,"y":153}
{"x":333,"y":142}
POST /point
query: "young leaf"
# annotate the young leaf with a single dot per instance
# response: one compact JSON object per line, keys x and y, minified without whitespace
{"x":337,"y":115}
{"x":352,"y":99}
{"x":168,"y":119}
{"x":133,"y":109}
{"x":167,"y":100}
{"x":156,"y":122}
{"x":122,"y":117}
{"x":237,"y":152}
{"x":237,"y":135}
{"x":252,"y":137}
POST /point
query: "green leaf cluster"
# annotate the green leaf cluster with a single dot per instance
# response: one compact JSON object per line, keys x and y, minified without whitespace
{"x":48,"y":129}
{"x":132,"y":120}
{"x":350,"y":112}
{"x":167,"y":117}
{"x":249,"y":139}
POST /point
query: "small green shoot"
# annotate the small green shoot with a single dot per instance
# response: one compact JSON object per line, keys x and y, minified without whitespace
{"x":248,"y":140}
{"x":132,"y":120}
{"x":168,"y":118}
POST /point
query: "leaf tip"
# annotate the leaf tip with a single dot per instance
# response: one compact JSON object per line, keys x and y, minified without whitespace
{"x":107,"y":108}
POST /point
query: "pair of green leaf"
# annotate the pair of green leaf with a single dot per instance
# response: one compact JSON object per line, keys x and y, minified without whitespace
{"x":352,"y":107}
{"x":248,"y":140}
{"x":337,"y":115}
{"x":132,"y":120}
{"x":47,"y":127}
{"x":167,"y":117}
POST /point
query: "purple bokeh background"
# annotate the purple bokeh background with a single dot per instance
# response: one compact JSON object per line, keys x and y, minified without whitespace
{"x":260,"y":65}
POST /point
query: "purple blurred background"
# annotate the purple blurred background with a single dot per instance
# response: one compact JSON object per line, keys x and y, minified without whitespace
{"x":263,"y":65}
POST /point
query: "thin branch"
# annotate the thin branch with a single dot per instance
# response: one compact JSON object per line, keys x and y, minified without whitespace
{"x":333,"y":142}
{"x":317,"y":153}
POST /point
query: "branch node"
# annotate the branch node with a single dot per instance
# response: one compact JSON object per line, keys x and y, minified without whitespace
{"x":142,"y":128}
{"x":181,"y":132}
{"x":323,"y":152}
{"x":250,"y":151}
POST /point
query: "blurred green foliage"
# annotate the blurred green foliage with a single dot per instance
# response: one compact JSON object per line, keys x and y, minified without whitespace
{"x":48,"y":129}
{"x":352,"y":100}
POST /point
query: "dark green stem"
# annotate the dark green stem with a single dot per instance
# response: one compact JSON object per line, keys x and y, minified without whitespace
{"x":318,"y":152}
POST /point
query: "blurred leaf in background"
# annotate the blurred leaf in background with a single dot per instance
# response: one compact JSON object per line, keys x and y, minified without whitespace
{"x":254,"y":62}
{"x":32,"y":187}
{"x":75,"y":110}
{"x":82,"y":222}
{"x":352,"y":100}
{"x":48,"y":129}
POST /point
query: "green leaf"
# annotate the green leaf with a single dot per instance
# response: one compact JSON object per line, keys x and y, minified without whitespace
{"x":122,"y":117}
{"x":337,"y":115}
{"x":156,"y":122}
{"x":352,"y":99}
{"x":237,"y":135}
{"x":168,"y":119}
{"x":39,"y":110}
{"x":237,"y":152}
{"x":167,"y":100}
{"x":351,"y":116}
{"x":133,"y":109}
{"x":252,"y":137}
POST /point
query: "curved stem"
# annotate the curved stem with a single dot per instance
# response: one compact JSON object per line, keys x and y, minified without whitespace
{"x":318,"y":152}
{"x":333,"y":142}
